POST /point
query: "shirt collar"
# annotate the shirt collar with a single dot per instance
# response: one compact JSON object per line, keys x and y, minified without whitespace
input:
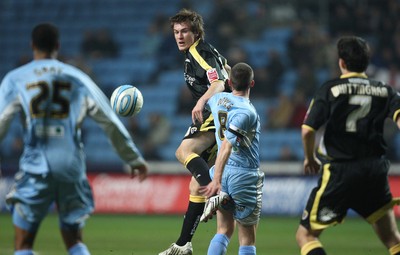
{"x":353,"y":74}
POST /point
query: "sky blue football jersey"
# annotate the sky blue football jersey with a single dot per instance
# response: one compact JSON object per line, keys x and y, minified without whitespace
{"x":237,"y":120}
{"x":54,"y":99}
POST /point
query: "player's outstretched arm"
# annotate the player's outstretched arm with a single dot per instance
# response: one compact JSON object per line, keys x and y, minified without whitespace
{"x":214,"y":187}
{"x":197,"y":112}
{"x":228,"y":69}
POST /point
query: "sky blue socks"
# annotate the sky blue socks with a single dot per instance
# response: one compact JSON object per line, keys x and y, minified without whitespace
{"x":79,"y":249}
{"x":218,"y":245}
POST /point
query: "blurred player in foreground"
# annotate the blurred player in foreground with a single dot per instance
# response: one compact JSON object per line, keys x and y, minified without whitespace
{"x":55,"y":98}
{"x":236,"y":171}
{"x":205,"y":74}
{"x":354,"y":168}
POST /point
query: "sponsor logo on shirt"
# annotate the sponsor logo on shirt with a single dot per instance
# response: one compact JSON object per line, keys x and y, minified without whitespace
{"x":212,"y":75}
{"x":189,"y":79}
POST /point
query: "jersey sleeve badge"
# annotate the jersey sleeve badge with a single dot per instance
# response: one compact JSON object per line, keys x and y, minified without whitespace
{"x":212,"y":75}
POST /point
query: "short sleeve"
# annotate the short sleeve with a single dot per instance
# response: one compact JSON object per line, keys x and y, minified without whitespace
{"x":236,"y":133}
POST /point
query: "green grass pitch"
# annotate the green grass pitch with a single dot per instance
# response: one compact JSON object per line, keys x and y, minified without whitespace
{"x":148,"y":235}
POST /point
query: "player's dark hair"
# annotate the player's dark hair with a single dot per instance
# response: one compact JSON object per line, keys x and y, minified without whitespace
{"x":355,"y":53}
{"x":45,"y":37}
{"x":241,"y":76}
{"x":194,"y":19}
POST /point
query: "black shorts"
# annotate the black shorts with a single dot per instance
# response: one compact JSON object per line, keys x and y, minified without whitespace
{"x":358,"y":185}
{"x":207,"y":126}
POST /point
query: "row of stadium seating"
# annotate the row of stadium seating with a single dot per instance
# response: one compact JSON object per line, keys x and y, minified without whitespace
{"x":129,"y":21}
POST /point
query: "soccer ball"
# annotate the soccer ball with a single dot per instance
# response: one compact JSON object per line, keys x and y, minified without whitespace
{"x":126,"y":100}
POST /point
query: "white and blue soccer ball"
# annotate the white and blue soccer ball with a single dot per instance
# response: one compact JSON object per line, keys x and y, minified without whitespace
{"x":126,"y":100}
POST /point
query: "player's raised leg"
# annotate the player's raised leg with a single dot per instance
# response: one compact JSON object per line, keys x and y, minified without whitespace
{"x":188,"y":154}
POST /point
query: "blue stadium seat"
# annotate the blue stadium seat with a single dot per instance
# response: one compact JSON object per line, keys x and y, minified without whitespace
{"x":257,"y":53}
{"x":167,"y":152}
{"x":322,"y":75}
{"x":272,"y":142}
{"x":128,"y":20}
{"x":278,"y":34}
{"x":173,"y":78}
{"x":288,"y":82}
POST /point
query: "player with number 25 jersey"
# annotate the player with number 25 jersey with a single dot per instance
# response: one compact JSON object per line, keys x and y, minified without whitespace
{"x":55,"y":98}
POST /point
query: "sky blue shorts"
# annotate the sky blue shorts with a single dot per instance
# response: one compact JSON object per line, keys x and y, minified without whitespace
{"x":33,"y":195}
{"x":244,"y":186}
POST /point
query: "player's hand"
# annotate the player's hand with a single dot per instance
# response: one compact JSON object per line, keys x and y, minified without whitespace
{"x":228,"y":69}
{"x":311,"y":166}
{"x":197,"y":112}
{"x":211,"y":189}
{"x":139,"y":171}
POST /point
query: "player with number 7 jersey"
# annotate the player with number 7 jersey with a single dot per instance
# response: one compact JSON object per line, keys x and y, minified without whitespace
{"x":354,"y":109}
{"x":351,"y":112}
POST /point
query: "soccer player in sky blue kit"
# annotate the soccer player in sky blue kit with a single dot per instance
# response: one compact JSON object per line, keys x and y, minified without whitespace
{"x":55,"y":98}
{"x":236,"y":171}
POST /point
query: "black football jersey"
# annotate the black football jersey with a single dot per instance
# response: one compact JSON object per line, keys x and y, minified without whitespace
{"x":203,"y":65}
{"x":353,"y":109}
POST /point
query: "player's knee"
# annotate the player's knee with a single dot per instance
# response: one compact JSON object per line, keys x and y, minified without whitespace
{"x":180,"y":155}
{"x":304,"y":235}
{"x":177,"y":155}
{"x":73,"y":227}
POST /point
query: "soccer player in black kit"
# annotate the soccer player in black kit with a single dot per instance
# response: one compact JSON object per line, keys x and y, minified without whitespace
{"x":205,"y":73}
{"x":354,"y":171}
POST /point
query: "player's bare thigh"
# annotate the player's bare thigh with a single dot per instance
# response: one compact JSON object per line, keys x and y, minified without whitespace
{"x":225,"y":223}
{"x":196,"y":145}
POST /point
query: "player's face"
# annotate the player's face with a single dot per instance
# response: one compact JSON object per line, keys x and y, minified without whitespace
{"x":184,"y":37}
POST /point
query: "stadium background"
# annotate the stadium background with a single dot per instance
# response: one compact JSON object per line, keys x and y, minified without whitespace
{"x":289,"y":43}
